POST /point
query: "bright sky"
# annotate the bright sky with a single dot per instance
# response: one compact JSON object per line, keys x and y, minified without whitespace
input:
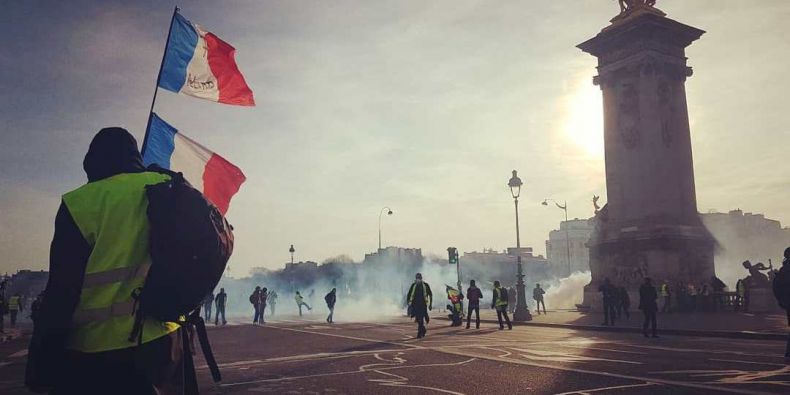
{"x":424,"y":107}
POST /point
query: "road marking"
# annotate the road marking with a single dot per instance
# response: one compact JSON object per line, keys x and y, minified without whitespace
{"x":291,"y":378}
{"x":608,"y":374}
{"x":752,"y":362}
{"x":349,"y":337}
{"x":586,"y":392}
{"x":454,"y":351}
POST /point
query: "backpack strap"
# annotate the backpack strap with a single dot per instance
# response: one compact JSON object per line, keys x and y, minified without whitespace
{"x":200,"y":325}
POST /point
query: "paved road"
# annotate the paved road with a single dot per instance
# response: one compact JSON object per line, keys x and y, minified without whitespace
{"x":307,"y":357}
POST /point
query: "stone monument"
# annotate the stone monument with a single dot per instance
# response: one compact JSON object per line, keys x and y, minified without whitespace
{"x":649,"y":226}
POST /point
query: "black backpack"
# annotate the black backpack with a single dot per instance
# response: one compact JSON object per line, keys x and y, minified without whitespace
{"x":190,"y":244}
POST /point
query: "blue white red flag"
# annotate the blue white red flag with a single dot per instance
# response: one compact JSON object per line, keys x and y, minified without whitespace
{"x":197,"y":63}
{"x":208,"y":172}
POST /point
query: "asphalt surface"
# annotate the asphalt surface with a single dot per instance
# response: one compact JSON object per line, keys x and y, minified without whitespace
{"x":313,"y":357}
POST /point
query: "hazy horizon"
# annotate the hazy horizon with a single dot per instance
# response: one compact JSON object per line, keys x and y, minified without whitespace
{"x":422,"y":107}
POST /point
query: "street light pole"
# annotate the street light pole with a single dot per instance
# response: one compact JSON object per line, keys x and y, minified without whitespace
{"x":522,"y":311}
{"x":389,"y":212}
{"x":567,"y":237}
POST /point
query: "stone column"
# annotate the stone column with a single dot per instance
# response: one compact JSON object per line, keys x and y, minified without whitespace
{"x":650,"y":226}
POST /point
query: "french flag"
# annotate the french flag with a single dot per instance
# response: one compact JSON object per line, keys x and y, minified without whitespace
{"x":208,"y":172}
{"x":197,"y":63}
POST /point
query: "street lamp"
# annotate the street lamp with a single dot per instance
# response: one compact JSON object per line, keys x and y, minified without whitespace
{"x":564,"y":207}
{"x":522,"y":312}
{"x":292,"y":250}
{"x":389,"y":212}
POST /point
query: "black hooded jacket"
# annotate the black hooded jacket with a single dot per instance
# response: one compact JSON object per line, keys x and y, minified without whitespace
{"x":113,"y":151}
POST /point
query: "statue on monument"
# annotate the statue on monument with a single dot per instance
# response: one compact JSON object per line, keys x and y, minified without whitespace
{"x":626,"y":5}
{"x":635,"y":7}
{"x":755,"y":278}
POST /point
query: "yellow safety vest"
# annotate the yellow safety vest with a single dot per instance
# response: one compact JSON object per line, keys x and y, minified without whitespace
{"x":111,"y":216}
{"x":499,"y":300}
{"x":424,"y":293}
{"x":13,"y":303}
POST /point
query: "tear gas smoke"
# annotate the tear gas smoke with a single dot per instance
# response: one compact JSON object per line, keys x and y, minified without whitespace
{"x":373,"y":290}
{"x":565,"y":293}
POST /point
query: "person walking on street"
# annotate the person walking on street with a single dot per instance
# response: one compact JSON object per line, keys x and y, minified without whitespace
{"x":219,"y":302}
{"x":14,"y":307}
{"x":648,"y":305}
{"x":272,"y":301}
{"x":623,"y":303}
{"x":262,"y":298}
{"x":255,"y":301}
{"x":781,"y":288}
{"x":500,"y":302}
{"x":330,"y":300}
{"x":300,"y":302}
{"x":207,"y":303}
{"x":473,"y":294}
{"x":537,"y":294}
{"x":666,"y":296}
{"x":98,"y":254}
{"x":607,"y":292}
{"x":420,"y":301}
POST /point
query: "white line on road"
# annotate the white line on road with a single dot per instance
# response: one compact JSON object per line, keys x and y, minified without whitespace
{"x":617,"y":387}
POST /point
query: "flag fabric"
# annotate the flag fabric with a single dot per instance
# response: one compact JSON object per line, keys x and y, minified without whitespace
{"x":208,"y":172}
{"x":197,"y":63}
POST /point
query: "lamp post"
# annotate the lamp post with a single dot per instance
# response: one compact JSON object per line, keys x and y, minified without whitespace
{"x":564,"y":207}
{"x":389,"y":212}
{"x":522,"y":312}
{"x":292,"y":250}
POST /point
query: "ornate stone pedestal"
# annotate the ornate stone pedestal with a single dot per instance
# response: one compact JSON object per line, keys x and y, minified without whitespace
{"x":650,"y":226}
{"x":762,"y":300}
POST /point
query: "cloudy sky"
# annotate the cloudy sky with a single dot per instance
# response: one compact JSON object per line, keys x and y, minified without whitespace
{"x":422,"y":106}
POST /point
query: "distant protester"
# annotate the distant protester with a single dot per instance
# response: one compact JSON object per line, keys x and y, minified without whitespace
{"x":255,"y":301}
{"x":537,"y":295}
{"x":330,"y":300}
{"x":499,"y":301}
{"x":648,"y":305}
{"x":300,"y":302}
{"x":272,"y":301}
{"x":420,"y":301}
{"x":781,"y":288}
{"x":473,"y":294}
{"x":208,"y":302}
{"x":262,"y":298}
{"x":220,"y":301}
{"x":609,"y":297}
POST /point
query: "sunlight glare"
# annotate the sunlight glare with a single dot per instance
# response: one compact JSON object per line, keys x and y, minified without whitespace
{"x":584,"y":118}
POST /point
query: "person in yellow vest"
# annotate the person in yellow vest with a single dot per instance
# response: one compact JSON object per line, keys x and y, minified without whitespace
{"x":420,"y":300}
{"x":99,"y":255}
{"x":499,"y":302}
{"x":14,"y":307}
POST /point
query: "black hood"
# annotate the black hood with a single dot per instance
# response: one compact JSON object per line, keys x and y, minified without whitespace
{"x":113,"y":151}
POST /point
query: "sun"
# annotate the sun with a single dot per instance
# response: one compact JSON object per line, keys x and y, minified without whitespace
{"x":584,"y":118}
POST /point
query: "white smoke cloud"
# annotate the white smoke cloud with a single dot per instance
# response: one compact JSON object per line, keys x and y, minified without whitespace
{"x":565,"y":293}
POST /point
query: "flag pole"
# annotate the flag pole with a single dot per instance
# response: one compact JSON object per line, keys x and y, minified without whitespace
{"x":158,"y":77}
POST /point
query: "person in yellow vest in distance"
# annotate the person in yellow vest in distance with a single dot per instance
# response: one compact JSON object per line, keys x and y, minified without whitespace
{"x":98,"y":256}
{"x":300,"y":302}
{"x":14,"y":307}
{"x":499,"y":302}
{"x":420,"y":301}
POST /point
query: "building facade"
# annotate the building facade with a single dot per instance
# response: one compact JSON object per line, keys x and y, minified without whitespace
{"x":577,"y":232}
